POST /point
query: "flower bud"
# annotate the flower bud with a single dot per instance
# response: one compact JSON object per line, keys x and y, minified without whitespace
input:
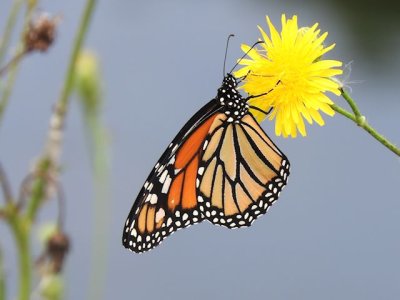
{"x":51,"y":287}
{"x":87,"y":80}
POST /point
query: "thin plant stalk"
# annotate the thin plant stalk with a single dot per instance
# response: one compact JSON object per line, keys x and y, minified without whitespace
{"x":99,"y":150}
{"x":10,"y":24}
{"x":88,"y":87}
{"x":21,"y":228}
{"x":6,"y":91}
{"x":13,"y":70}
{"x":361,"y":121}
{"x":12,"y":62}
{"x":5,"y":186}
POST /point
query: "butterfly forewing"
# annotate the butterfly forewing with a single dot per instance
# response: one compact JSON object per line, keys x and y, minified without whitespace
{"x":168,"y":199}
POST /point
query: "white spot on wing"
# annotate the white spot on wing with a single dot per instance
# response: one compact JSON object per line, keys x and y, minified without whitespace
{"x":163,"y":176}
{"x":159,"y":215}
{"x":166,"y":185}
{"x":153,"y":199}
{"x":169,"y":222}
{"x":148,"y":198}
{"x":205,"y":144}
{"x":201,"y":171}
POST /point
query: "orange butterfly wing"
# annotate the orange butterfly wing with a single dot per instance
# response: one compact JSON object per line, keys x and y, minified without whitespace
{"x":168,"y":201}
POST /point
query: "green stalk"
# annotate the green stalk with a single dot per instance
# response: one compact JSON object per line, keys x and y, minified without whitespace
{"x":5,"y":186}
{"x":6,"y":92}
{"x":99,"y":150}
{"x":351,"y":102}
{"x":68,"y":83}
{"x":20,"y":227}
{"x":13,"y":70}
{"x":38,"y":192}
{"x":361,"y":121}
{"x":12,"y":18}
{"x":12,"y":62}
{"x":88,"y":86}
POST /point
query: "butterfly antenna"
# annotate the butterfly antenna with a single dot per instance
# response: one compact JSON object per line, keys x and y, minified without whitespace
{"x":244,"y":55}
{"x":226,"y":51}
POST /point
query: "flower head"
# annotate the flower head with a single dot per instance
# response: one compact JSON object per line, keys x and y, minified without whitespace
{"x":289,"y":70}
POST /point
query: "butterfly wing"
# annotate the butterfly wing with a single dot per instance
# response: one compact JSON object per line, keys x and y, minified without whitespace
{"x":241,"y":172}
{"x":168,"y":199}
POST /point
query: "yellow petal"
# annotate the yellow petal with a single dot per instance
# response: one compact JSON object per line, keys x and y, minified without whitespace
{"x":317,"y":117}
{"x":275,"y":37}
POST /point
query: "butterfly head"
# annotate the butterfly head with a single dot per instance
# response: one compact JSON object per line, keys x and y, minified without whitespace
{"x":235,"y":106}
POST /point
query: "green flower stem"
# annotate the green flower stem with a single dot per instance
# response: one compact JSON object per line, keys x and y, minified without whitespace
{"x":99,"y":150}
{"x":5,"y":186}
{"x":351,"y":102}
{"x":13,"y":61}
{"x":39,"y":188}
{"x":361,"y":121}
{"x":13,"y":70}
{"x":11,"y":21}
{"x":48,"y":160}
{"x":68,"y":83}
{"x":20,"y":227}
{"x":6,"y":90}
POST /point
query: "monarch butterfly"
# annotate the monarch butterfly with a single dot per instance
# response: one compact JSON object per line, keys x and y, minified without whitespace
{"x":221,"y":167}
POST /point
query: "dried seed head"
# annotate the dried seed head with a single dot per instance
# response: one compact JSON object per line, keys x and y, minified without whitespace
{"x":57,"y":247}
{"x":41,"y":33}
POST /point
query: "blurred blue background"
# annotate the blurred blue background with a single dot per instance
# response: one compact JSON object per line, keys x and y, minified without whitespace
{"x":334,"y":233}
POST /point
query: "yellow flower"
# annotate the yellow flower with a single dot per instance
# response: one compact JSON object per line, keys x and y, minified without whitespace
{"x":290,"y":69}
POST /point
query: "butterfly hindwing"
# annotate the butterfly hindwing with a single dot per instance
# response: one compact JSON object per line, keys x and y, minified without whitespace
{"x":242,"y":174}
